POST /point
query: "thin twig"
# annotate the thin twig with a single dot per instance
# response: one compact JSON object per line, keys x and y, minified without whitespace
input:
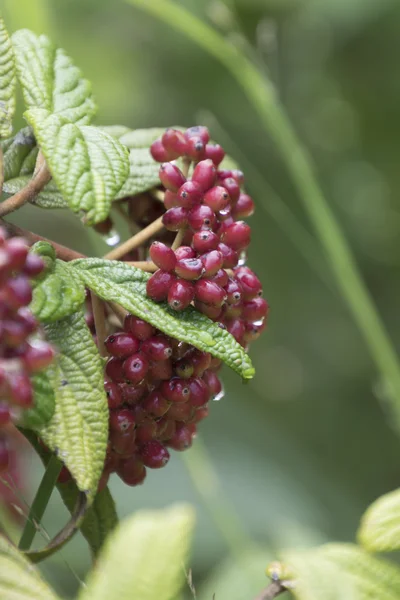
{"x":273,"y":590}
{"x":179,"y":239}
{"x":118,"y":310}
{"x":158,"y":195}
{"x":144,"y":265}
{"x":99,"y":323}
{"x":28,"y":192}
{"x":136,"y":240}
{"x":62,"y":252}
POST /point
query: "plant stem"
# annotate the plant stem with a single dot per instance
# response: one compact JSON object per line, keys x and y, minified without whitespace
{"x":28,"y":193}
{"x":99,"y":323}
{"x":273,"y":590}
{"x":178,"y":239}
{"x":40,"y":502}
{"x":144,"y":265}
{"x":262,"y":96}
{"x":137,"y":240}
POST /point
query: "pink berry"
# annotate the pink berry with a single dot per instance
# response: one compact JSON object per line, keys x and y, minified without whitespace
{"x":209,"y":292}
{"x":170,"y":199}
{"x":171,"y":177}
{"x":159,"y":153}
{"x":17,"y":250}
{"x":216,"y":153}
{"x":174,"y":142}
{"x":255,"y":309}
{"x":157,"y":348}
{"x":181,"y":294}
{"x":238,"y":176}
{"x":233,"y":291}
{"x":249,"y":283}
{"x":205,"y":241}
{"x":154,"y":455}
{"x":175,"y":218}
{"x":5,"y":416}
{"x":121,"y":344}
{"x":198,"y":131}
{"x":20,"y":390}
{"x":158,"y":285}
{"x":221,"y":278}
{"x":231,"y":257}
{"x":244,"y":207}
{"x":212,"y":262}
{"x":175,"y":390}
{"x":196,"y":149}
{"x":217,"y":198}
{"x":34,"y":265}
{"x":189,"y":268}
{"x":205,"y":174}
{"x":201,"y":217}
{"x":140,"y":329}
{"x":163,"y":256}
{"x":18,"y":292}
{"x":189,"y":194}
{"x":237,"y":235}
{"x":233,"y":189}
{"x":122,"y":420}
{"x":135,"y":367}
{"x":38,"y":356}
{"x":184,"y":252}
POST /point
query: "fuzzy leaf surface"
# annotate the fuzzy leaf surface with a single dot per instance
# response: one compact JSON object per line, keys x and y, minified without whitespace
{"x":88,"y":165}
{"x":144,"y":558}
{"x":44,"y":401}
{"x":342,"y":571}
{"x":19,"y":580}
{"x":380,"y":526}
{"x":50,"y":80}
{"x":58,"y":293}
{"x":78,"y":431}
{"x":117,"y":282}
{"x":49,"y":197}
{"x":19,"y":154}
{"x":8,"y":82}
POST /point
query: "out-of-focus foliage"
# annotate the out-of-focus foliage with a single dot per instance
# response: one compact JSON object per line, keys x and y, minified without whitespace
{"x":307,"y":445}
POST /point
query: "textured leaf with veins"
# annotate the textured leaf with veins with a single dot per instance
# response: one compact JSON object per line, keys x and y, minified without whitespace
{"x":380,"y":526}
{"x":8,"y":82}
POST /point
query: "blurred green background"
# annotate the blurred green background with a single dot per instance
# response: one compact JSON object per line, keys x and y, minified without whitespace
{"x":304,"y":448}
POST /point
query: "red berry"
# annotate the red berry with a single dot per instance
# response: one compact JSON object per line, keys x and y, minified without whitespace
{"x":201,"y":217}
{"x":231,"y":257}
{"x":200,"y":414}
{"x":122,"y":420}
{"x":121,"y":344}
{"x":244,"y":207}
{"x":64,"y":476}
{"x":196,"y":149}
{"x":38,"y":356}
{"x":157,"y":347}
{"x":181,"y":412}
{"x":236,"y":328}
{"x":159,"y":153}
{"x":17,"y":250}
{"x":255,"y":309}
{"x":181,"y":294}
{"x":170,"y":199}
{"x":221,"y":277}
{"x":189,"y":268}
{"x":171,"y":177}
{"x":146,"y":431}
{"x":205,"y":241}
{"x":135,"y":367}
{"x":182,"y":440}
{"x":113,"y":393}
{"x":185,"y":252}
{"x":199,"y":360}
{"x":237,"y":235}
{"x":133,"y":393}
{"x":216,"y":153}
{"x":26,"y":318}
{"x":209,"y":292}
{"x":140,"y":329}
{"x":249,"y":282}
{"x":198,"y":131}
{"x":163,"y":256}
{"x":13,"y":333}
{"x":233,"y":291}
{"x":217,"y":198}
{"x":233,"y":189}
{"x":165,"y":429}
{"x":123,"y":444}
{"x":212,"y":382}
{"x":158,"y":285}
{"x":5,"y":416}
{"x":174,"y":142}
{"x":189,"y":194}
{"x":18,"y":292}
{"x":205,"y":174}
{"x":114,"y":369}
{"x":175,"y":390}
{"x":253,"y":331}
{"x":34,"y":265}
{"x":161,"y":370}
{"x":20,"y":390}
{"x":175,"y":218}
{"x":154,"y":455}
{"x":155,"y":404}
{"x":131,"y":471}
{"x":199,"y":392}
{"x":212,"y":312}
{"x":212,"y":262}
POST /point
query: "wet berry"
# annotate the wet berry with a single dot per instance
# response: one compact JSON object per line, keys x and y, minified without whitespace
{"x":205,"y":241}
{"x":140,"y":329}
{"x":121,"y":344}
{"x":189,"y":194}
{"x":189,"y":268}
{"x":162,"y":256}
{"x":205,"y":174}
{"x":157,"y":348}
{"x":209,"y":292}
{"x":216,"y":153}
{"x":171,"y":177}
{"x":201,"y":217}
{"x":181,"y":294}
{"x":217,"y":198}
{"x":158,"y":285}
{"x":175,"y":218}
{"x":135,"y":367}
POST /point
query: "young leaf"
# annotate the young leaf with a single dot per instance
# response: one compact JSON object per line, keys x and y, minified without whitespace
{"x":8,"y":82}
{"x":19,"y":154}
{"x":49,"y":197}
{"x":338,"y":571}
{"x":44,"y":397}
{"x":88,"y":165}
{"x":380,"y":526}
{"x":117,"y":282}
{"x":50,"y":80}
{"x":144,"y":558}
{"x":59,"y":292}
{"x":19,"y":580}
{"x":78,"y":431}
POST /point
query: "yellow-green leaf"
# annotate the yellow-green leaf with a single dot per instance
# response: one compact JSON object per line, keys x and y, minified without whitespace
{"x":8,"y":82}
{"x":144,"y":559}
{"x":380,"y":526}
{"x":19,"y":580}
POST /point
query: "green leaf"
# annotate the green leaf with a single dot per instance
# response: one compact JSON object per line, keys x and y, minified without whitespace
{"x":44,"y":398}
{"x":117,"y":282}
{"x":144,"y":169}
{"x":59,"y":292}
{"x":88,"y":165}
{"x":380,"y":526}
{"x":49,"y":197}
{"x":144,"y":558}
{"x":19,"y":580}
{"x":341,"y":571}
{"x":8,"y":82}
{"x":78,"y":431}
{"x":19,"y":154}
{"x":50,"y":80}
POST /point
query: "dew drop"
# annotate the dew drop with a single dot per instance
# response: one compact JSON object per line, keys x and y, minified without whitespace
{"x":220,"y":394}
{"x":242,"y":258}
{"x":112,"y":238}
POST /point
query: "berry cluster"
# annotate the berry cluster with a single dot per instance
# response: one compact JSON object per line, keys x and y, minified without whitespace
{"x":208,"y":210}
{"x":158,"y":390}
{"x":22,"y":353}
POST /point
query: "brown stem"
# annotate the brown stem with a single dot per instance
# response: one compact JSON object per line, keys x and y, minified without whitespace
{"x":273,"y":590}
{"x":178,"y":239}
{"x":99,"y":323}
{"x":62,"y":252}
{"x":136,"y":240}
{"x":29,"y":192}
{"x":118,"y":310}
{"x":144,"y":265}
